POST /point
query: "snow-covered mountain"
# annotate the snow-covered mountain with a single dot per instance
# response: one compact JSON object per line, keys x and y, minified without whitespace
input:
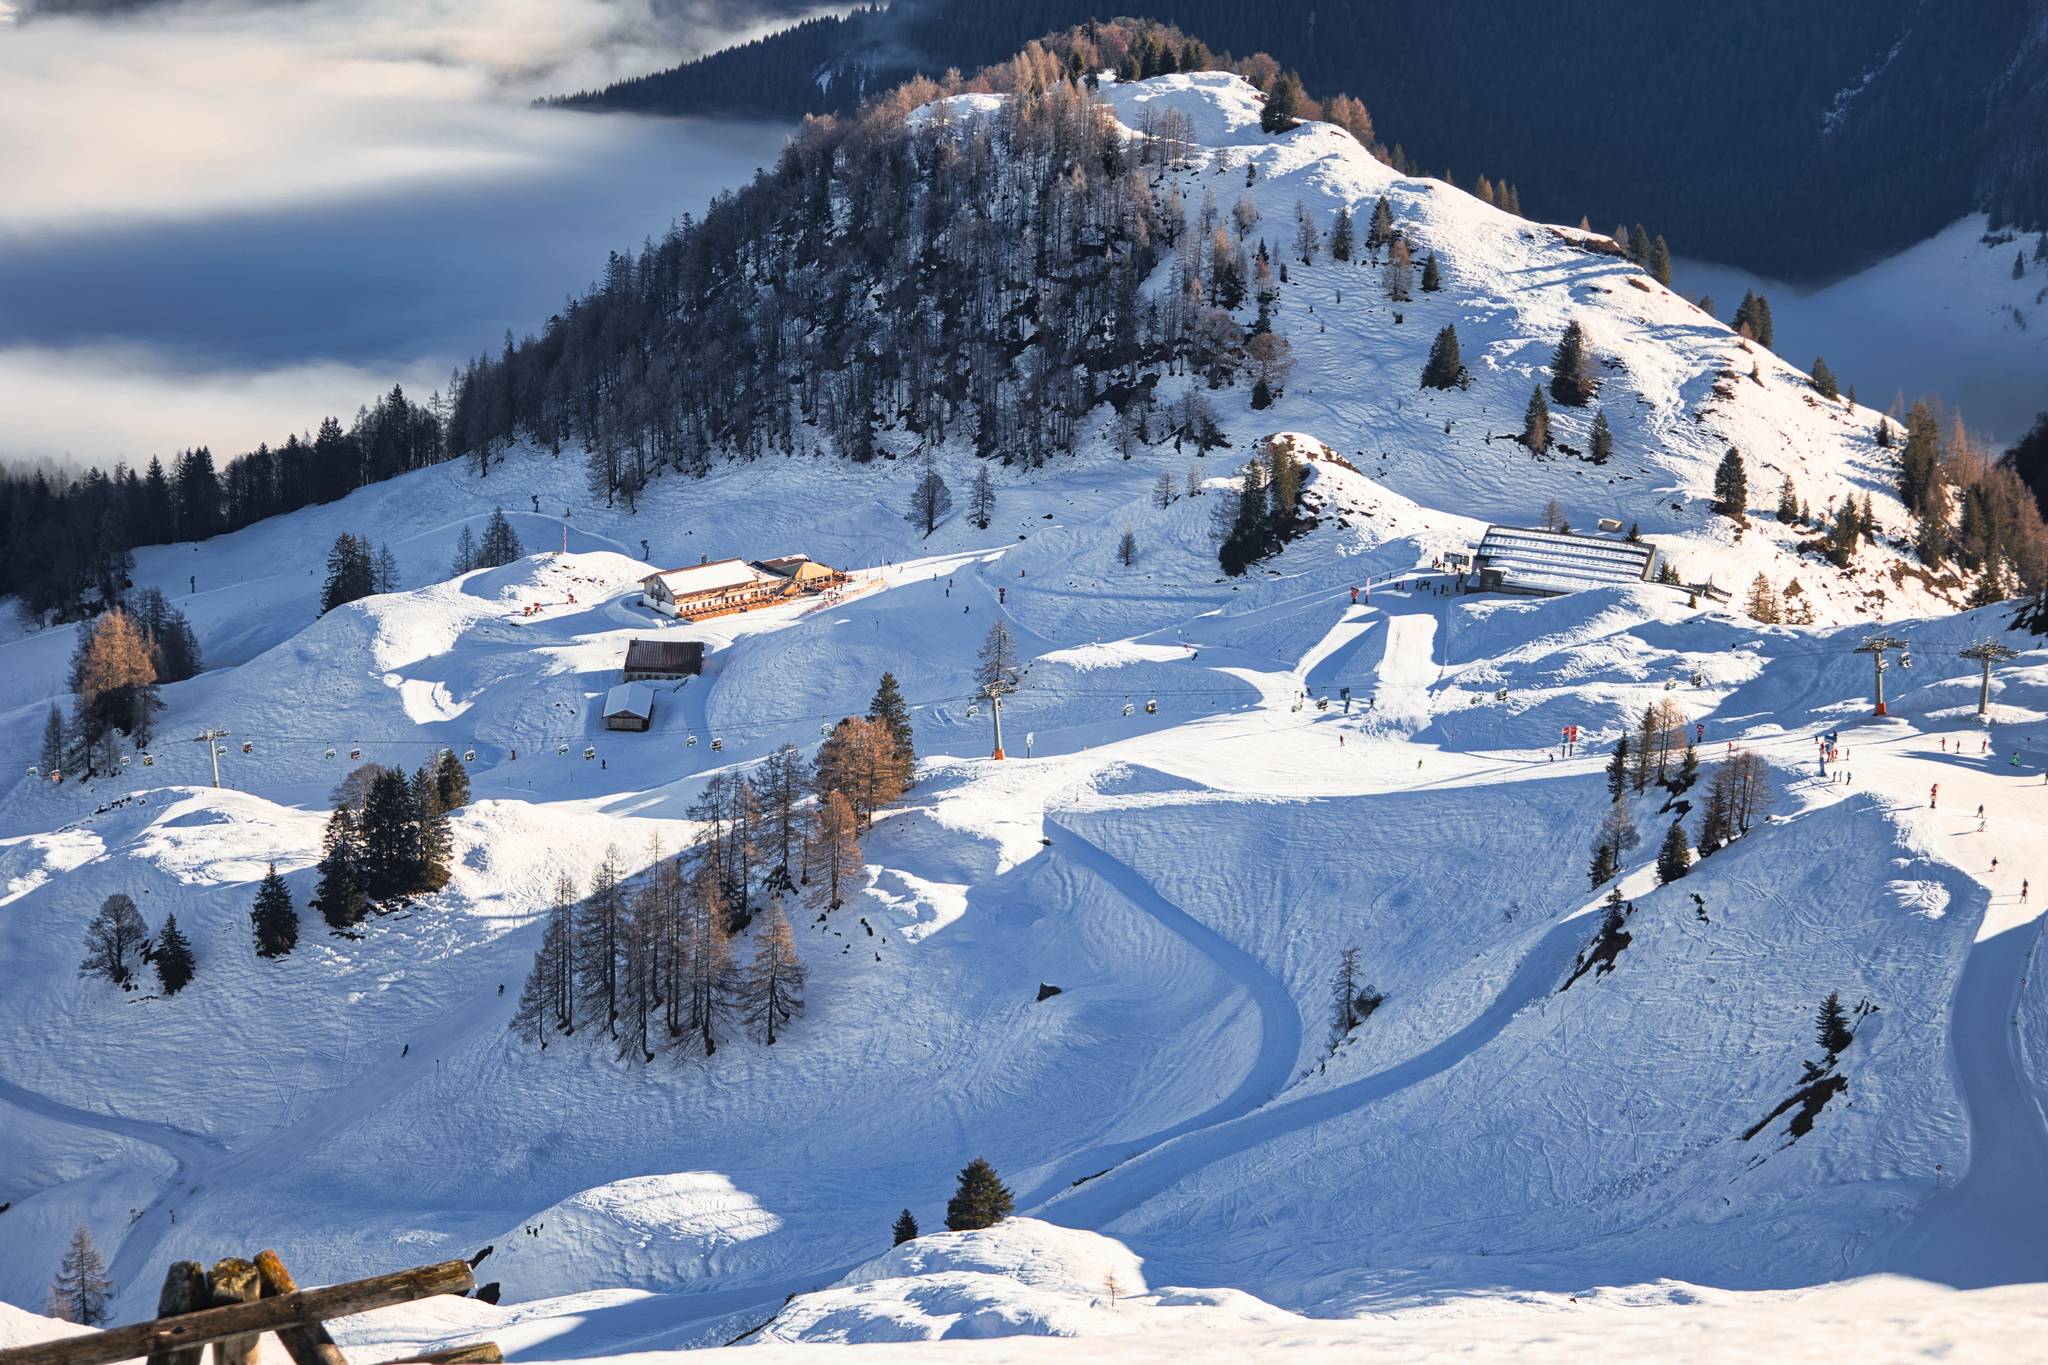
{"x":1192,"y":827}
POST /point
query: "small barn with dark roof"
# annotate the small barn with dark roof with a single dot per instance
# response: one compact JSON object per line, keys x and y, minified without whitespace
{"x":663,"y":660}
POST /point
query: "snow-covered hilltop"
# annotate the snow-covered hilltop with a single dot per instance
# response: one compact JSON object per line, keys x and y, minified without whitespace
{"x":1216,"y":786}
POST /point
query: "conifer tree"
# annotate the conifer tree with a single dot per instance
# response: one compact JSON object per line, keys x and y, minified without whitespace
{"x":500,"y":544}
{"x":834,"y":850}
{"x":1731,"y":487}
{"x":1831,"y":1026}
{"x":351,"y":574}
{"x":53,"y":741}
{"x":1342,"y":236}
{"x":433,"y":842}
{"x":1603,"y":438}
{"x":1444,"y":369}
{"x":930,"y":500}
{"x":1381,"y":227}
{"x":1616,"y":834}
{"x":1639,"y":245}
{"x":1536,"y":422}
{"x":115,"y":939}
{"x":384,"y":570}
{"x":710,"y":956}
{"x":1788,"y":502}
{"x":547,"y":999}
{"x":905,"y":1228}
{"x":1674,"y":859}
{"x":1400,"y":270}
{"x":1617,"y":769}
{"x":1307,"y":241}
{"x":1432,"y":275}
{"x":341,"y":897}
{"x":774,"y":985}
{"x":1283,"y":105}
{"x":889,"y":710}
{"x":82,"y":1290}
{"x":1571,"y":383}
{"x":1824,"y":379}
{"x":465,"y":554}
{"x":600,"y":923}
{"x":1351,"y":1000}
{"x":171,"y":955}
{"x":981,"y":501}
{"x":1717,"y":819}
{"x":451,"y":781}
{"x":1762,"y":603}
{"x":1606,"y":864}
{"x":115,"y":681}
{"x":274,"y":918}
{"x":981,"y":1201}
{"x":390,"y":837}
{"x":1127,"y":547}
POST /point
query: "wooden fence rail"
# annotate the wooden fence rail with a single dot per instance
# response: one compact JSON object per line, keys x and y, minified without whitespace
{"x":256,"y":1297}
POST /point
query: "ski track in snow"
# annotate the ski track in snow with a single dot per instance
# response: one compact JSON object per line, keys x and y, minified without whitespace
{"x":1279,"y":1020}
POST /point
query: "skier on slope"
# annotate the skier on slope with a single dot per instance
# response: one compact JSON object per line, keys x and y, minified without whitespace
{"x":1933,"y":796}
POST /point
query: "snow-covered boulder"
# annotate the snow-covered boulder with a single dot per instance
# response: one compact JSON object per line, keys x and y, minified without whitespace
{"x":649,"y":1232}
{"x":1021,"y":1277}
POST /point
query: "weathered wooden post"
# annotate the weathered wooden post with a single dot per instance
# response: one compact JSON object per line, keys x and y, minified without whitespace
{"x":184,"y":1291}
{"x":306,"y":1343}
{"x":233,"y":1280}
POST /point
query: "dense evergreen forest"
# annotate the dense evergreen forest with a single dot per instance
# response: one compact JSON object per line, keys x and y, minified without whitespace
{"x":1800,"y":140}
{"x":66,"y":538}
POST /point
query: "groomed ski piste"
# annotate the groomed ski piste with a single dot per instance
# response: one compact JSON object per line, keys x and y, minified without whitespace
{"x":1488,"y":1162}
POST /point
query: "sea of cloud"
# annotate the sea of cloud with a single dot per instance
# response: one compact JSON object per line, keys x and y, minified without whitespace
{"x":223,"y":219}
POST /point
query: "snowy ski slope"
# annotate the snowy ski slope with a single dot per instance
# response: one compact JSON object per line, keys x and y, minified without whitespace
{"x":1480,"y":1152}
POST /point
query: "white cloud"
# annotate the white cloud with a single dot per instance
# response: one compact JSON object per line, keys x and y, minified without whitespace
{"x":99,"y":404}
{"x":195,"y":107}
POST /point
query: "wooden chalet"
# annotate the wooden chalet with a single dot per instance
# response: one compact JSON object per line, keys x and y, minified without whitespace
{"x":722,"y":586}
{"x":663,"y":660}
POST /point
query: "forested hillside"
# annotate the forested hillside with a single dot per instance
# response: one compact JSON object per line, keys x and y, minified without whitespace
{"x":1864,"y":125}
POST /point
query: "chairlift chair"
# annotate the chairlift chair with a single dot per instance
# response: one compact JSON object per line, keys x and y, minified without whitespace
{"x":355,"y":753}
{"x":562,"y":749}
{"x":1151,"y":706}
{"x":469,"y":755}
{"x":34,"y":771}
{"x":330,"y":752}
{"x":690,"y":742}
{"x":149,"y":760}
{"x":248,"y":746}
{"x":1128,"y":708}
{"x":717,"y":743}
{"x":589,"y":752}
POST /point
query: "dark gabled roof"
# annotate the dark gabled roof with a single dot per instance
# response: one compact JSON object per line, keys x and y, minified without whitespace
{"x":664,"y":656}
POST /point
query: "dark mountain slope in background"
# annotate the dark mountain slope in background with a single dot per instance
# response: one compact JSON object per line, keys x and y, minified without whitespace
{"x":1801,"y":141}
